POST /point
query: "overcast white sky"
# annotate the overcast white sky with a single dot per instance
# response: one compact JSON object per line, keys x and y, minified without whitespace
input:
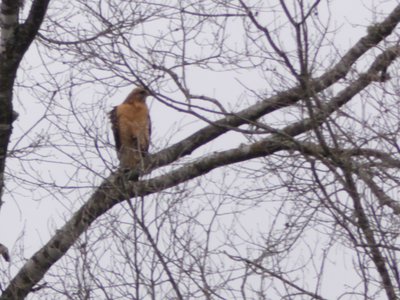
{"x":26,"y":213}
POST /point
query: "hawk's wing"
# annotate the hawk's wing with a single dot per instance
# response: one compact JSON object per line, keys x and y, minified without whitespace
{"x":115,"y":127}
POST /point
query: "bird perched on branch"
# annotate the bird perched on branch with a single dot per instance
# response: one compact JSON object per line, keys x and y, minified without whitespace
{"x":130,"y":122}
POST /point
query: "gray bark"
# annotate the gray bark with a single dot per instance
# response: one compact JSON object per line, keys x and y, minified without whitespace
{"x":15,"y":40}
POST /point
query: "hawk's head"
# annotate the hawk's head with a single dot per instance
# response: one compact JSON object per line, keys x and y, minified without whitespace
{"x":138,"y":94}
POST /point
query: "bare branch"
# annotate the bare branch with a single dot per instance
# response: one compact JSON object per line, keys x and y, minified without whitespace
{"x":4,"y":252}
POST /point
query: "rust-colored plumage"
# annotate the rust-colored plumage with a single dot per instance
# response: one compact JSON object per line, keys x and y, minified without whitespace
{"x":131,"y":126}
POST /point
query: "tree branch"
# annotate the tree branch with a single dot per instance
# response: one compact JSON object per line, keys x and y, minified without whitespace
{"x":14,"y":42}
{"x":282,"y":99}
{"x":29,"y":29}
{"x":256,"y":266}
{"x":116,"y":188}
{"x":112,"y":190}
{"x":9,"y":10}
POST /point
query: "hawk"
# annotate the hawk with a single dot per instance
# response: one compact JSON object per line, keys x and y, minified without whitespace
{"x":130,"y":122}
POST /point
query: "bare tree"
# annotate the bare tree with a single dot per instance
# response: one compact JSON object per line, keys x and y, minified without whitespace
{"x":15,"y":39}
{"x":270,"y":195}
